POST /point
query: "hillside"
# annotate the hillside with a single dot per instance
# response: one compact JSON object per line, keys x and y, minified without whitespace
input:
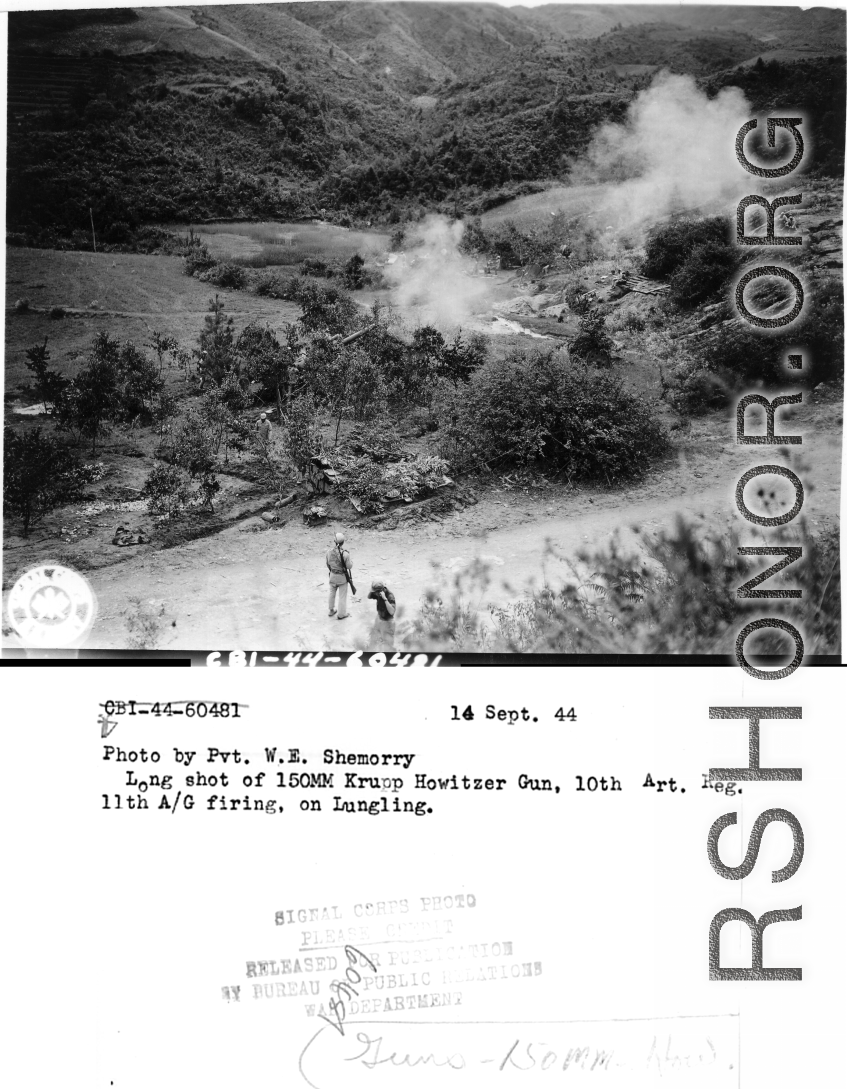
{"x":366,"y":110}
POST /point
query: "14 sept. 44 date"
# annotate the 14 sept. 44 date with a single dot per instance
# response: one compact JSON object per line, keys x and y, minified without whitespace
{"x":510,"y":715}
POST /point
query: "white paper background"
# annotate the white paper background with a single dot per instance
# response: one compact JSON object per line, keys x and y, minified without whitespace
{"x":122,"y":928}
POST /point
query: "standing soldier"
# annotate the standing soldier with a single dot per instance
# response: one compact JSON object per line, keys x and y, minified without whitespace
{"x":382,"y":634}
{"x":339,"y":564}
{"x":263,"y":429}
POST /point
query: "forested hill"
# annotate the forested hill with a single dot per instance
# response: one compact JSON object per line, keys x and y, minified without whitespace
{"x":367,"y":110}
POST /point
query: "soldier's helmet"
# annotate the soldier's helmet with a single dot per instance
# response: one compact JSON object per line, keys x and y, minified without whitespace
{"x":377,"y":584}
{"x":264,"y":415}
{"x":339,"y":538}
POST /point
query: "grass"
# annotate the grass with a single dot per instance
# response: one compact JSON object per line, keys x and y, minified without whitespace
{"x":269,"y":245}
{"x":153,"y":290}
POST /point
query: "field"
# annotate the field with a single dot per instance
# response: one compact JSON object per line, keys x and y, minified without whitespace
{"x":126,"y":295}
{"x":266,"y":245}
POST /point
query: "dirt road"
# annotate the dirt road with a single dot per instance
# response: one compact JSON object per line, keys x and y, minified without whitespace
{"x":267,"y":589}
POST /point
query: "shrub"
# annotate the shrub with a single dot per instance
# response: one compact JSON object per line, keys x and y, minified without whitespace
{"x":143,"y":621}
{"x":167,"y":490}
{"x":592,"y":343}
{"x":669,"y":246}
{"x":57,"y":312}
{"x":140,"y":380}
{"x":705,"y":270}
{"x":578,"y":297}
{"x":678,"y":596}
{"x":264,"y":360}
{"x":313,"y":266}
{"x":197,"y":259}
{"x":92,"y":401}
{"x":353,"y":277}
{"x":39,"y":474}
{"x":269,"y":285}
{"x":302,"y":435}
{"x":744,"y":356}
{"x":192,"y":448}
{"x":224,"y":275}
{"x":539,"y":407}
{"x":460,"y":357}
{"x":325,"y":309}
{"x":692,"y":390}
{"x":216,"y":343}
{"x":22,"y":305}
{"x":49,"y":385}
{"x":633,"y":322}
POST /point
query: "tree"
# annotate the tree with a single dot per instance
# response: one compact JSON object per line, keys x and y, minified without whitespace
{"x":93,"y":400}
{"x":192,"y":449}
{"x":167,"y":489}
{"x":49,"y":385}
{"x":302,"y":436}
{"x":140,"y":382}
{"x":353,"y":276}
{"x":39,"y":474}
{"x":216,"y":353}
{"x":592,"y":343}
{"x":162,"y":344}
{"x":265,"y":361}
{"x":223,"y":410}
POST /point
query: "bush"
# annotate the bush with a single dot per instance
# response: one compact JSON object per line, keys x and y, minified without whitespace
{"x":578,"y":297}
{"x":706,"y":269}
{"x":326,"y":309}
{"x":167,"y":490}
{"x":692,"y":390}
{"x":313,"y":266}
{"x":592,"y":343}
{"x":461,"y":357}
{"x":39,"y":474}
{"x":302,"y":435}
{"x":192,"y":448}
{"x":22,"y":305}
{"x":49,"y":385}
{"x":216,"y":354}
{"x":742,"y":356}
{"x":683,"y":601}
{"x":224,"y":275}
{"x":353,"y":277}
{"x":670,"y":246}
{"x":539,"y":407}
{"x":57,"y":312}
{"x":197,"y":259}
{"x":270,"y":286}
{"x":92,"y":401}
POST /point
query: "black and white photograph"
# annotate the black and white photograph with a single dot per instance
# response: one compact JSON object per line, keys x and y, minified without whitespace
{"x":428,"y":330}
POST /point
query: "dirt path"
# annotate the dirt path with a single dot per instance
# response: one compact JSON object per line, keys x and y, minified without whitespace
{"x":267,"y":590}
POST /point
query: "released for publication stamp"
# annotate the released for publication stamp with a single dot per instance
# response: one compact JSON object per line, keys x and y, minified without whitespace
{"x":51,"y":606}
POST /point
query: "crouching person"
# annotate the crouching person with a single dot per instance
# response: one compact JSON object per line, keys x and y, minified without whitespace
{"x":382,"y":634}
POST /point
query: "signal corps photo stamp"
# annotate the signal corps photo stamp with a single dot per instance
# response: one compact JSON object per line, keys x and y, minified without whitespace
{"x":51,"y":606}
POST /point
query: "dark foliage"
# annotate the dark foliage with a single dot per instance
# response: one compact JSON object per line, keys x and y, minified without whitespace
{"x":814,"y":87}
{"x":49,"y":386}
{"x":39,"y":474}
{"x":592,"y":343}
{"x":746,"y":356}
{"x":705,"y":270}
{"x":670,"y":246}
{"x":540,"y":407}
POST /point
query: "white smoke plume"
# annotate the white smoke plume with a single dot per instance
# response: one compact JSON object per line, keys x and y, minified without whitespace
{"x":675,"y":151}
{"x":432,"y":280}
